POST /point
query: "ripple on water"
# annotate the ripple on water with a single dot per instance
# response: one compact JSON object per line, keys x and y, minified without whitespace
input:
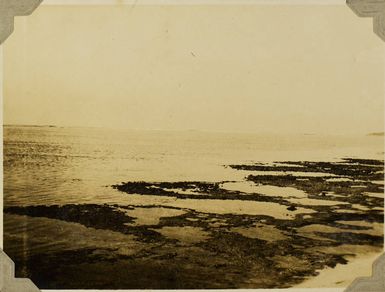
{"x":26,"y":235}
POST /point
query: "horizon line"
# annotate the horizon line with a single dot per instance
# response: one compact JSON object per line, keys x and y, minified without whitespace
{"x":371,"y":133}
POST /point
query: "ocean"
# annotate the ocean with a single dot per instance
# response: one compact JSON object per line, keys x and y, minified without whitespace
{"x":50,"y":165}
{"x":160,"y":204}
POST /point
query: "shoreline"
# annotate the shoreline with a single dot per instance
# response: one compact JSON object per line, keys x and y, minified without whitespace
{"x":341,"y":276}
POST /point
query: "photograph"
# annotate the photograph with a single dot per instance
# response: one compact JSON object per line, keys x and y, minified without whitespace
{"x":193,"y":145}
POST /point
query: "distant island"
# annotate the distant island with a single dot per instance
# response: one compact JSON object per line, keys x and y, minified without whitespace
{"x":376,"y":134}
{"x":36,"y":126}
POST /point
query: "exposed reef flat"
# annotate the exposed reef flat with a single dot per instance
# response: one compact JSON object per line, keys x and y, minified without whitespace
{"x":267,"y":231}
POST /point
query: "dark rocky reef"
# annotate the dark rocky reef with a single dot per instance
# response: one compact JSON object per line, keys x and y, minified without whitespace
{"x":226,"y":259}
{"x":237,"y":250}
{"x":368,"y":169}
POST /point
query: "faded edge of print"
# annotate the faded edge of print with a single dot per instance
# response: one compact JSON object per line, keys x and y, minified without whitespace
{"x":10,"y":9}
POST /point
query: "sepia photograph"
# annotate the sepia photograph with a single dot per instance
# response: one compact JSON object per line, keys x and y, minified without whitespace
{"x":193,"y":145}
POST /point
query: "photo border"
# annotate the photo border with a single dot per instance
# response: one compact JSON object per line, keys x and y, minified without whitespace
{"x":12,"y":8}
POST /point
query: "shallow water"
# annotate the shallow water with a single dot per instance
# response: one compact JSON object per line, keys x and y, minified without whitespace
{"x":57,"y":235}
{"x":185,"y":235}
{"x":376,"y":195}
{"x":280,"y":191}
{"x":151,"y":216}
{"x":264,"y":232}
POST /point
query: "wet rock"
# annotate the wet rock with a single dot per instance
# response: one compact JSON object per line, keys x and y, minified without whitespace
{"x":291,"y":208}
{"x":236,"y":251}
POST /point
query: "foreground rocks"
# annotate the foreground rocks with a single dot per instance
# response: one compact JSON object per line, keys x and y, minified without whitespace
{"x":185,"y":247}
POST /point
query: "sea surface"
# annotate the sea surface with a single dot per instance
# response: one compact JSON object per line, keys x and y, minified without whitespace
{"x":51,"y":165}
{"x":63,"y":167}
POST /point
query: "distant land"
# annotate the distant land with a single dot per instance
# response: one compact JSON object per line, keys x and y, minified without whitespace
{"x":376,"y":134}
{"x":35,"y":126}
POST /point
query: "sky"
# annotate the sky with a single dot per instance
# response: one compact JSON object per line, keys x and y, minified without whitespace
{"x":230,"y":68}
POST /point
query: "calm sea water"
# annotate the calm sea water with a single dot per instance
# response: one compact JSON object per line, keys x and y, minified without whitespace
{"x":52,"y":165}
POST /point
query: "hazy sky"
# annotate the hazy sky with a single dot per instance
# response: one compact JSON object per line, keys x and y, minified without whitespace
{"x":317,"y":69}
